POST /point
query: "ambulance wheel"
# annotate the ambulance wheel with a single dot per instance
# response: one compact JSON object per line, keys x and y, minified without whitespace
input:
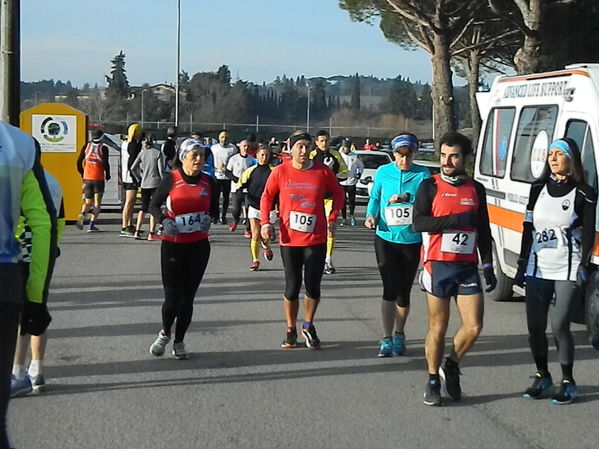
{"x":592,"y":309}
{"x":504,"y":290}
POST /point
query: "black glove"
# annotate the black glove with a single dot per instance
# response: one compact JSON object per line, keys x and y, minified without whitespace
{"x":520,"y":278}
{"x":582,"y":276}
{"x":490,"y":278}
{"x":35,"y":318}
{"x":468,"y":219}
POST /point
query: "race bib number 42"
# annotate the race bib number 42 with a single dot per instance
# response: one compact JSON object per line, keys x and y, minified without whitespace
{"x":298,"y":221}
{"x":188,"y":223}
{"x":398,"y":215}
{"x":458,"y":242}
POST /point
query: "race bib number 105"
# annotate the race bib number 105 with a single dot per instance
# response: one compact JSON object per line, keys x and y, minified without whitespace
{"x":398,"y":215}
{"x":188,"y":223}
{"x":298,"y":221}
{"x":458,"y":242}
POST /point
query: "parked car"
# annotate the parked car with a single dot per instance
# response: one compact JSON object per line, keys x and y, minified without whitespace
{"x":366,"y":182}
{"x":371,"y":160}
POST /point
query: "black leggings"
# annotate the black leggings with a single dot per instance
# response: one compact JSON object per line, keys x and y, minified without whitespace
{"x":311,"y":259}
{"x":239,"y":199}
{"x":398,"y":264}
{"x":222,"y":186}
{"x":539,"y":299}
{"x":183,"y":266}
{"x":11,"y":290}
{"x":350,"y":199}
{"x":146,"y":197}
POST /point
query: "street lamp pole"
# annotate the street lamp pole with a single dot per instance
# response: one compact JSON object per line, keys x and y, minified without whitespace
{"x":178,"y":62}
{"x":308,"y":110}
{"x":142,"y":108}
{"x":10,"y":61}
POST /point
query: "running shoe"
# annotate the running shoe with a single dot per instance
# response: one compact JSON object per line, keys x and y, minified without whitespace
{"x":255,"y":265}
{"x":129,"y":231}
{"x":158,"y":347}
{"x":223,"y":220}
{"x":343,"y":222}
{"x":312,"y":340}
{"x":268,"y":254}
{"x":179,"y":351}
{"x":329,"y":268}
{"x":215,"y":221}
{"x":432,"y":393}
{"x":247,"y":234}
{"x":79,"y":222}
{"x":38,"y":383}
{"x":539,"y":388}
{"x":565,"y":393}
{"x":352,"y":221}
{"x":93,"y":228}
{"x":137,"y":235}
{"x":386,"y":349}
{"x":20,"y":387}
{"x":290,"y":338}
{"x":153,"y":237}
{"x":233,"y":226}
{"x":399,"y":344}
{"x":450,"y":379}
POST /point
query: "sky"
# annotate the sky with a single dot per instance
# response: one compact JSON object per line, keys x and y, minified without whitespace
{"x":258,"y":39}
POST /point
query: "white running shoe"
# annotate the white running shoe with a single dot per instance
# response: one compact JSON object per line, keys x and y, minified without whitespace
{"x":158,"y":347}
{"x":179,"y":351}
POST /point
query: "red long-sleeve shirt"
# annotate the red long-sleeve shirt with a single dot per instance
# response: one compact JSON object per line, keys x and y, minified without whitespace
{"x":301,"y":196}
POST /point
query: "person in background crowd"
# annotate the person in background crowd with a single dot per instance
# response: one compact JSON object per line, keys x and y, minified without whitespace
{"x":333,"y":160}
{"x":169,"y":149}
{"x":150,"y":164}
{"x":209,"y":159}
{"x":129,"y":151}
{"x":355,"y":168}
{"x":94,"y":167}
{"x":239,"y":163}
{"x":368,"y":146}
{"x":221,"y":152}
{"x":254,"y":179}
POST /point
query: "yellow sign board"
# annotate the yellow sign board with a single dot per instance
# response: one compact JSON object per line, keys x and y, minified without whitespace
{"x":61,"y":131}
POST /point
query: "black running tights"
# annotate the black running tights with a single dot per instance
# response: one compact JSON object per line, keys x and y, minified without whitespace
{"x":311,"y":260}
{"x":183,"y":266}
{"x":222,"y":186}
{"x":398,"y":264}
{"x":350,"y":200}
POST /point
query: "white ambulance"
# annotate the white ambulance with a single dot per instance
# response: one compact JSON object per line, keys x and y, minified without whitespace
{"x":521,"y":116}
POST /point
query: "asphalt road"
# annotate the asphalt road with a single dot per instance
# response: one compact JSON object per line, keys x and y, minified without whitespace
{"x":240,"y":390}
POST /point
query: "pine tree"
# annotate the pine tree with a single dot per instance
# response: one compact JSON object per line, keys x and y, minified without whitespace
{"x":355,"y":94}
{"x":118,"y":85}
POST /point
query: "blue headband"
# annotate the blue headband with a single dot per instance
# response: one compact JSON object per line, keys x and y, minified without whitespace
{"x":404,"y":140}
{"x":563,"y":146}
